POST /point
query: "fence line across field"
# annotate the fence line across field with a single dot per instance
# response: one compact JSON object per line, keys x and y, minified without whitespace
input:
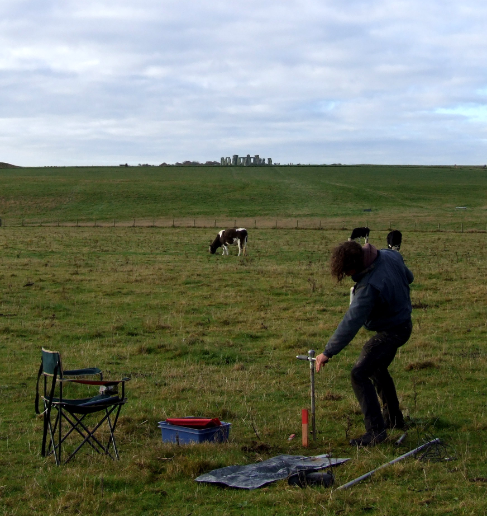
{"x":430,"y":225}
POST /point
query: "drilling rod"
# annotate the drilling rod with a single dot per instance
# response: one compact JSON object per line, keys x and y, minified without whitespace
{"x":370,"y":473}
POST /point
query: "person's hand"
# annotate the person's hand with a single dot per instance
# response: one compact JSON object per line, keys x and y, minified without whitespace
{"x":321,"y":360}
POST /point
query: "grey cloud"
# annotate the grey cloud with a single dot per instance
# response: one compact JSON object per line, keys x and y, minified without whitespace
{"x":303,"y":81}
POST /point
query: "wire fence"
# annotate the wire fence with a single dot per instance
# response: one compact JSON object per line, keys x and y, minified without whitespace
{"x":331,"y":224}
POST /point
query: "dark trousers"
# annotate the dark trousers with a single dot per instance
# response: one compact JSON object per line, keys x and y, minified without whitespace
{"x":370,"y":378}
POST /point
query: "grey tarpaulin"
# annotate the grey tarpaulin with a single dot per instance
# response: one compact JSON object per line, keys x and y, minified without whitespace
{"x":257,"y":475}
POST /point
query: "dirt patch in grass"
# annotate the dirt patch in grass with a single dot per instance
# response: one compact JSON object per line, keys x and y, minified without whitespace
{"x":417,"y":366}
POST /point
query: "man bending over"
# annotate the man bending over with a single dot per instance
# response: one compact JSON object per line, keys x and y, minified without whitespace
{"x":381,"y":302}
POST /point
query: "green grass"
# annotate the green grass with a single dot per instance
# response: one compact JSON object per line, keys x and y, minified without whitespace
{"x":217,"y":336}
{"x":213,"y":335}
{"x":412,"y":196}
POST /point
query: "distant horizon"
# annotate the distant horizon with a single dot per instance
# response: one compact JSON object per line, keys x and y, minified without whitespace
{"x":195,"y":163}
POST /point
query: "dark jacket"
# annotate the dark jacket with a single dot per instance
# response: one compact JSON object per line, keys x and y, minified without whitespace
{"x":381,"y":300}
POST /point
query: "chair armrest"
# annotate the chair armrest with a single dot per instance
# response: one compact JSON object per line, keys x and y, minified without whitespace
{"x":106,"y":386}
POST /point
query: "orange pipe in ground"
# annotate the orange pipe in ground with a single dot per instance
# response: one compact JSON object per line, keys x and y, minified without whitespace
{"x":304,"y":421}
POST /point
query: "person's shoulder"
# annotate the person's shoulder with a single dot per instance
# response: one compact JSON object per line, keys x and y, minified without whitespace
{"x":390,"y":254}
{"x":390,"y":258}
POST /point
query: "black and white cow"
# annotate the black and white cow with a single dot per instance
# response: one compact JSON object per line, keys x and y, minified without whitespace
{"x":394,"y":240}
{"x":359,"y":233}
{"x":228,"y":237}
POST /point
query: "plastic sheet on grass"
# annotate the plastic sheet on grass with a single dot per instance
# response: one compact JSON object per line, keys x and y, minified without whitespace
{"x":253,"y":476}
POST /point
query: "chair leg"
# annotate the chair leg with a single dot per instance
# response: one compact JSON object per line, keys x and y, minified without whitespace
{"x":54,"y":430}
{"x":90,"y":434}
{"x":112,"y":431}
{"x":52,"y":434}
{"x":60,"y":431}
{"x":74,"y":426}
{"x":57,"y":446}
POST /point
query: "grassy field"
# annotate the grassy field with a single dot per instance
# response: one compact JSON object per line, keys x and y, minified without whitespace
{"x":217,"y":336}
{"x":412,"y":197}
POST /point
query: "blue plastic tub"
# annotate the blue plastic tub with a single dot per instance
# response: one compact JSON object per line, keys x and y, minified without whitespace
{"x":185,"y":435}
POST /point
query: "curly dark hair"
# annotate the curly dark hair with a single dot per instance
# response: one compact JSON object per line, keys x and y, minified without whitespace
{"x":345,"y":258}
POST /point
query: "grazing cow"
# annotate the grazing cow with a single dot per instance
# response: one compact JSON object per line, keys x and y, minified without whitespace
{"x":230,"y":237}
{"x":394,"y":240}
{"x":359,"y":233}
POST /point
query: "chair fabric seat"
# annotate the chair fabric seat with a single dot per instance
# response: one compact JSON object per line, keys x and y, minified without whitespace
{"x":88,"y":371}
{"x":86,"y":405}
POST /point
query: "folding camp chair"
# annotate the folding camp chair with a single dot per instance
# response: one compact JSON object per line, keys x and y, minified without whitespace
{"x":107,"y":402}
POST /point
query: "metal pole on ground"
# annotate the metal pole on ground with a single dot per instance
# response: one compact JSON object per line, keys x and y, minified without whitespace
{"x":370,"y":473}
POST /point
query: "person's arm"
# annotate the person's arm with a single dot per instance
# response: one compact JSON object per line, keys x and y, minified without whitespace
{"x":358,"y":312}
{"x":409,"y":275}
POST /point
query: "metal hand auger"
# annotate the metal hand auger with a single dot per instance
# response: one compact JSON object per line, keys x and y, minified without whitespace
{"x":311,"y":359}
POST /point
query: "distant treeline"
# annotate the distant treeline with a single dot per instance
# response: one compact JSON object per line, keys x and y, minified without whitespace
{"x":177,"y":164}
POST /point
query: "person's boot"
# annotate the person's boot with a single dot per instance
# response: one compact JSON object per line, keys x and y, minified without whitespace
{"x":369,"y":439}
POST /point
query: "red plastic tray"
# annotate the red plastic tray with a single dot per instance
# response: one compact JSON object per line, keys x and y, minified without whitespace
{"x":194,"y":422}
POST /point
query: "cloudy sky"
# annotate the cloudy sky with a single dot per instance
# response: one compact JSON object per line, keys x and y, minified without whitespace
{"x":103,"y":82}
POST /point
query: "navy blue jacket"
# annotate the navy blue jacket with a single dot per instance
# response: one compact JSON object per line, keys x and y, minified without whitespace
{"x":381,"y":300}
